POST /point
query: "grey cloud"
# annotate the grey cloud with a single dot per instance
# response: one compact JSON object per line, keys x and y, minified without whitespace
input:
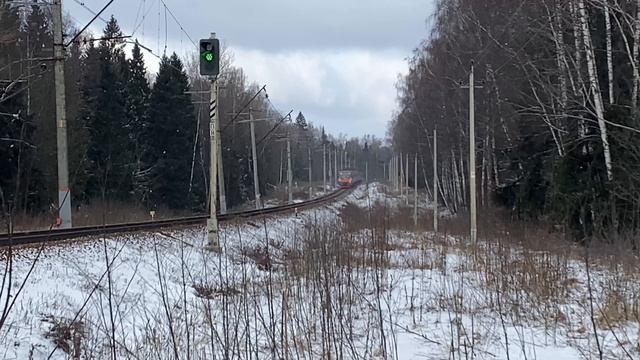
{"x":318,"y":56}
{"x":275,"y":25}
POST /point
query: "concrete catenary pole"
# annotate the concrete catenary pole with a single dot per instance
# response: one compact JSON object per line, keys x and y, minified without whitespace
{"x":435,"y":180}
{"x":324,"y":168}
{"x":366,"y":173}
{"x":384,"y":171}
{"x":310,"y":186}
{"x":254,"y":156}
{"x":396,"y":172}
{"x":401,"y":180}
{"x":392,"y":180}
{"x":335,"y":167}
{"x":64,"y":192}
{"x":406,"y":181}
{"x":289,"y":170}
{"x":212,"y":222}
{"x":415,"y":191}
{"x":223,"y":196}
{"x":329,"y":168}
{"x":472,"y":159}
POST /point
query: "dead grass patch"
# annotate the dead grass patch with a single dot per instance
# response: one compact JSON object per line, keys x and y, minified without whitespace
{"x":617,"y":308}
{"x":260,"y":256}
{"x":95,"y":213}
{"x":66,"y":334}
{"x":210,"y":292}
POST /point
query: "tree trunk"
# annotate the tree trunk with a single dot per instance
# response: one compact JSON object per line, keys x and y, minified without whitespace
{"x":607,"y":21}
{"x":636,"y":49}
{"x":594,"y":87}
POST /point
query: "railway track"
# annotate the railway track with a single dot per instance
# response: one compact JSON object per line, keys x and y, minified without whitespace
{"x":53,"y":235}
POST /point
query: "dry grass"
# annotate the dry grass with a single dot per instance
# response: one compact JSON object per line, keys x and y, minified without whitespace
{"x":211,"y":292}
{"x":66,"y":335}
{"x":96,"y":213}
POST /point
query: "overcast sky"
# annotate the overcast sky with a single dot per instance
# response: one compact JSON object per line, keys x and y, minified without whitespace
{"x":337,"y":61}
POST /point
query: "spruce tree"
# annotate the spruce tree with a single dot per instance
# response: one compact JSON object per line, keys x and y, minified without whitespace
{"x":11,"y":102}
{"x":170,"y":137}
{"x":301,"y":121}
{"x":109,"y":150}
{"x":137,"y":106}
{"x":41,"y":107}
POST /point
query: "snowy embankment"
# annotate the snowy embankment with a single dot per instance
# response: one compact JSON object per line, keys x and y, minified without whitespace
{"x":347,"y":280}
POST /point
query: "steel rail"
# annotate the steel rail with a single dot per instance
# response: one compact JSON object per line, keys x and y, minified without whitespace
{"x":40,"y":236}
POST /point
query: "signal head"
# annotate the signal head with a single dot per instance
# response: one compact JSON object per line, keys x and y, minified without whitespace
{"x":209,"y":57}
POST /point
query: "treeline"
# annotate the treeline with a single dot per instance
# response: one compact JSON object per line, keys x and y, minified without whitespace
{"x":556,"y":117}
{"x":134,"y":137}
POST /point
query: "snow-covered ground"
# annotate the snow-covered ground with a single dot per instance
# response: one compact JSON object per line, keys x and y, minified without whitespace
{"x":300,"y":287}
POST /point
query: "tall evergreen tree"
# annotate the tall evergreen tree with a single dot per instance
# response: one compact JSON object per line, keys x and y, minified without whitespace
{"x":40,"y":105}
{"x":170,"y":136}
{"x":78,"y":134}
{"x":12,"y":135}
{"x":109,"y":150}
{"x":137,"y":106}
{"x":301,"y":121}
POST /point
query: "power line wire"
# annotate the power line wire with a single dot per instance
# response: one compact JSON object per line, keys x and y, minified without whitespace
{"x":89,"y":24}
{"x":144,"y":17}
{"x":89,"y":10}
{"x":178,"y":22}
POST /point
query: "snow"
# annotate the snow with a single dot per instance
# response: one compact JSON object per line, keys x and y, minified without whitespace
{"x":431,"y":297}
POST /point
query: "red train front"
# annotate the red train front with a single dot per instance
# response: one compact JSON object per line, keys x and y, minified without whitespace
{"x":348,"y":178}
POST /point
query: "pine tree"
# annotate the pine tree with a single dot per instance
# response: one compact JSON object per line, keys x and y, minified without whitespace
{"x":169,"y":138}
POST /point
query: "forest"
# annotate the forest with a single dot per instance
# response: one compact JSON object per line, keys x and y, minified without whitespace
{"x":140,"y":138}
{"x":556,"y":110}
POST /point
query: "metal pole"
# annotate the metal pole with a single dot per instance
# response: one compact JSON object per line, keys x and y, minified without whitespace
{"x":289,"y":172}
{"x":212,"y":222}
{"x":64,"y":193}
{"x":324,"y":168}
{"x":415,"y":192}
{"x":472,"y":158}
{"x":310,"y":187}
{"x":223,"y":196}
{"x":435,"y":181}
{"x":254,"y":156}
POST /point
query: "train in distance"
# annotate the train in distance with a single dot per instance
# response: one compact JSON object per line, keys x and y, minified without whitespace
{"x":349,"y":178}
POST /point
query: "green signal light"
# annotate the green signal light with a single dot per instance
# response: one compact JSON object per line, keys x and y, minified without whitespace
{"x":208,"y":56}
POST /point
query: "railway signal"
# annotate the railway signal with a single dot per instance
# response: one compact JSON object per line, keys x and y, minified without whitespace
{"x":209,"y":57}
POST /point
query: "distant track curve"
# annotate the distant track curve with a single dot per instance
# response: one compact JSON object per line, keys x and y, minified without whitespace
{"x":55,"y":235}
